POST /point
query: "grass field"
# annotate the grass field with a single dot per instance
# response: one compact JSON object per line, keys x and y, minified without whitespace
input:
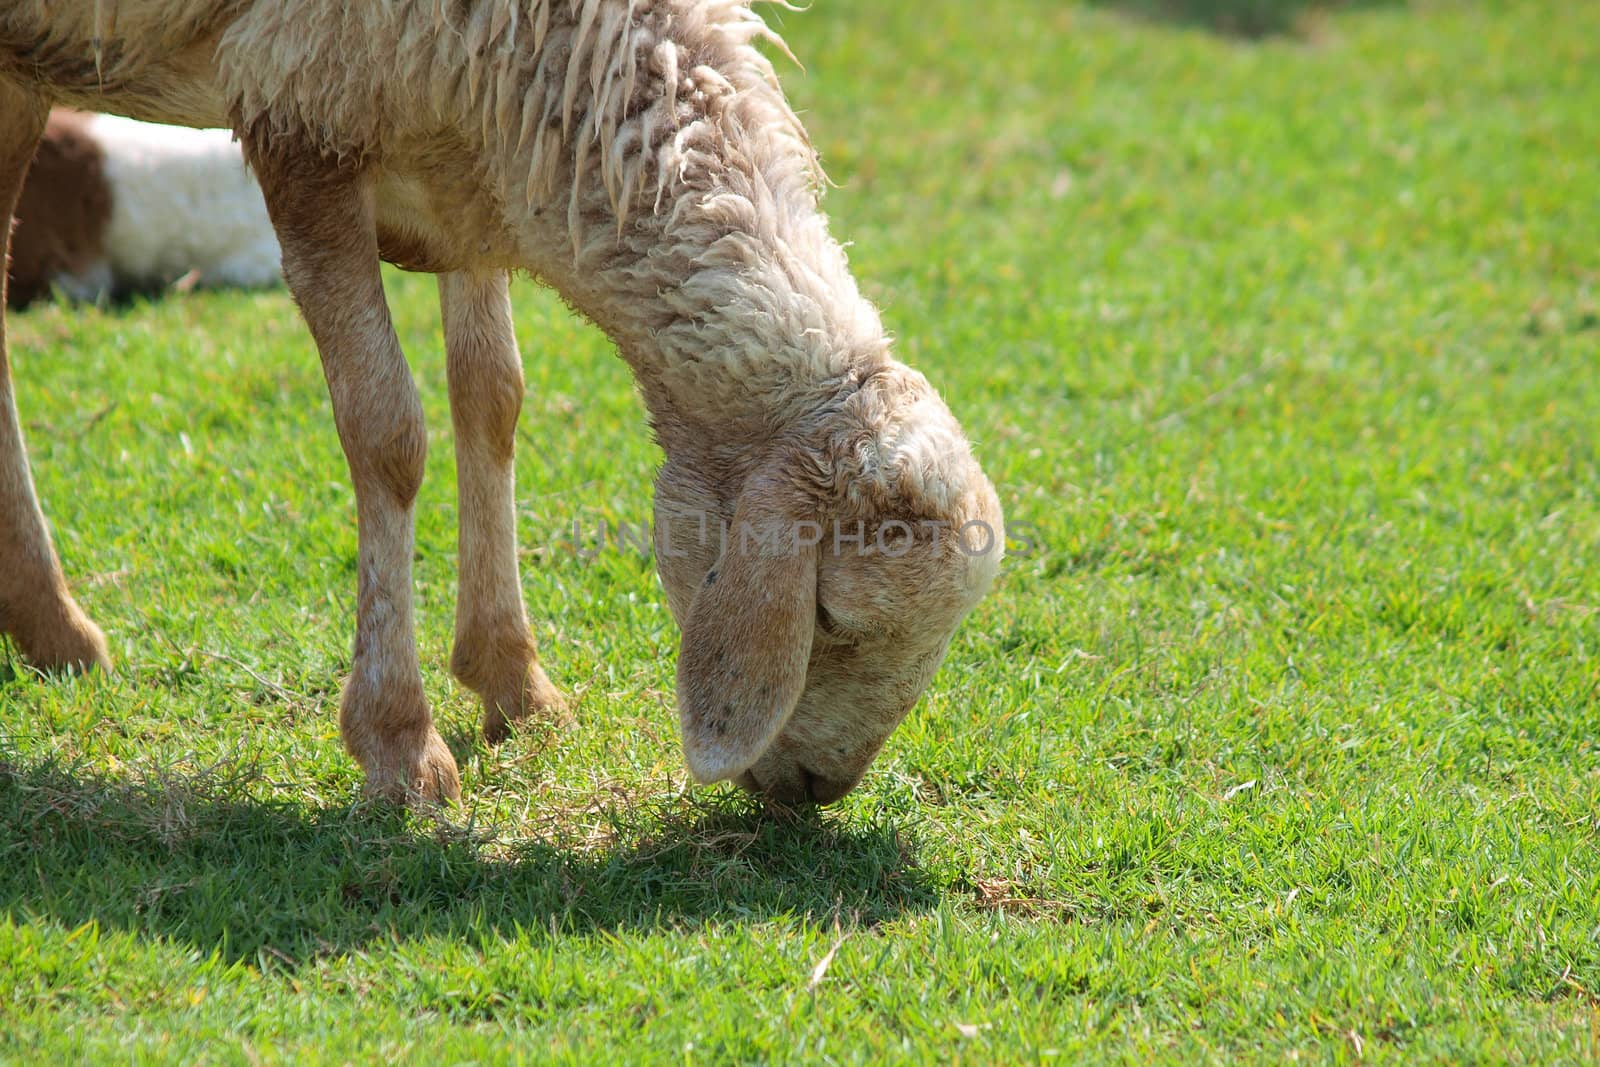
{"x":1280,"y":333}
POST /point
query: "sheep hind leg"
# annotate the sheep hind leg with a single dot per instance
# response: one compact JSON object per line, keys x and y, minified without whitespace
{"x":35,"y":607}
{"x":323,"y":213}
{"x":494,"y":652}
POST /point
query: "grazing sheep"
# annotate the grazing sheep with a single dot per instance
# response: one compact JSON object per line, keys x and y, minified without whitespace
{"x":112,"y":206}
{"x":638,"y":156}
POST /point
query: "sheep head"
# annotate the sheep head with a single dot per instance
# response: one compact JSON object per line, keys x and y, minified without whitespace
{"x":818,"y":585}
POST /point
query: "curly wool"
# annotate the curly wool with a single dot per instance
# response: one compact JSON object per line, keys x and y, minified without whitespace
{"x":636,"y":154}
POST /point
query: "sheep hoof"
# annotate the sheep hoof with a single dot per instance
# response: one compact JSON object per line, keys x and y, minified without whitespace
{"x":538,"y":703}
{"x":70,"y":644}
{"x":423,"y":777}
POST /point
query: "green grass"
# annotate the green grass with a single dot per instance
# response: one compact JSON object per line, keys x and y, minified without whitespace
{"x":1282,"y":743}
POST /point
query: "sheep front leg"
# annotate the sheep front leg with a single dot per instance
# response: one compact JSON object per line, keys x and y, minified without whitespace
{"x":35,"y":607}
{"x":322,"y":210}
{"x":494,"y":651}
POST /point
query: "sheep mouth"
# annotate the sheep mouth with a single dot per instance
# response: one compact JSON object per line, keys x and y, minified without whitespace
{"x":800,"y":788}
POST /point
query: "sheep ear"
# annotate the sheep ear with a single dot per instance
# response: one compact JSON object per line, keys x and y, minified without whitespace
{"x":747,"y":640}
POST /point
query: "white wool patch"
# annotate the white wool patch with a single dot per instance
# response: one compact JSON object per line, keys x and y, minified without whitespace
{"x":182,"y":203}
{"x":929,"y":452}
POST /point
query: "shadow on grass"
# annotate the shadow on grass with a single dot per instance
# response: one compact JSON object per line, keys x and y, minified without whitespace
{"x":1240,"y":18}
{"x":198,"y":861}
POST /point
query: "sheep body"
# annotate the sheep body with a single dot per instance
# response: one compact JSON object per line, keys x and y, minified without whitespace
{"x":636,"y":154}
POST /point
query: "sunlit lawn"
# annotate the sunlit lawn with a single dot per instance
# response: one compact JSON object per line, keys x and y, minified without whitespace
{"x":1278,"y":740}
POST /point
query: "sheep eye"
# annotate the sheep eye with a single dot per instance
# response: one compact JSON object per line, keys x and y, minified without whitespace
{"x":840,"y":632}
